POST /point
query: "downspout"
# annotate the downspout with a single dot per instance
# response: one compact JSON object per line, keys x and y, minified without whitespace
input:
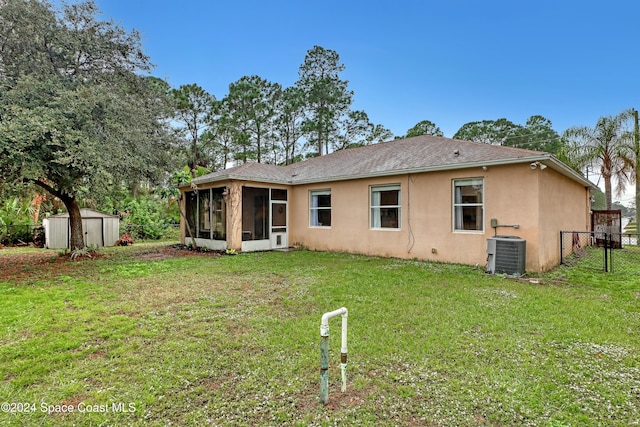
{"x":324,"y":353}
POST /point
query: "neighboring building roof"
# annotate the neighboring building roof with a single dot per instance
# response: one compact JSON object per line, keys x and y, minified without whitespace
{"x":423,"y":153}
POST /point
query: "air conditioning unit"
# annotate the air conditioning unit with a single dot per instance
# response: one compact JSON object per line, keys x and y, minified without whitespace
{"x":506,"y":254}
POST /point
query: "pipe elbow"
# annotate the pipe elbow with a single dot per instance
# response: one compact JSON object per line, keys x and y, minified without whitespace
{"x":325,"y":317}
{"x":324,"y":322}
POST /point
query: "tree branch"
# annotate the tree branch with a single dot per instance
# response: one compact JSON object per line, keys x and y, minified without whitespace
{"x":46,"y":186}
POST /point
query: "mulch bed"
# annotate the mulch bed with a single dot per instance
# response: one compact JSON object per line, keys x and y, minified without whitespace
{"x":174,"y":251}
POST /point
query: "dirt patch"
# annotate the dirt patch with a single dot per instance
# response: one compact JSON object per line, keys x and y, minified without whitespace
{"x":156,"y":256}
{"x":175,"y":251}
{"x":15,"y":264}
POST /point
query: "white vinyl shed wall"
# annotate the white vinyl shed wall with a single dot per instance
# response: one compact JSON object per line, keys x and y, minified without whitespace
{"x":99,"y":229}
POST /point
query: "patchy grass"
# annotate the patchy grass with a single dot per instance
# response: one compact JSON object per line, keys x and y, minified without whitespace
{"x":234,"y":341}
{"x":625,"y":260}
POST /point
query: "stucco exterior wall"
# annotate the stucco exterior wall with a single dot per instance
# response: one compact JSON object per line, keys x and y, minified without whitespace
{"x":234,"y":215}
{"x":564,"y":206}
{"x":513,"y":194}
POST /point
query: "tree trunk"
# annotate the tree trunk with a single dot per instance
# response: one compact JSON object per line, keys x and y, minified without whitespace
{"x":76,"y":240}
{"x":259,"y":147}
{"x":607,"y":191}
{"x":182,"y":205}
{"x":293,"y":154}
{"x":36,"y":202}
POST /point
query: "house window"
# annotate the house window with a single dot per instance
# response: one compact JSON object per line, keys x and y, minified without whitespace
{"x":320,"y":208}
{"x":385,"y":206}
{"x":278,"y":194}
{"x":468,"y":204}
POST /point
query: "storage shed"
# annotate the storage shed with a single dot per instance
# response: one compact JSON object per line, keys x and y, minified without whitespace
{"x":99,"y":229}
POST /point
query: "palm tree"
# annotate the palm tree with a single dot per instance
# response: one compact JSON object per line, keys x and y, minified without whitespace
{"x":608,"y":145}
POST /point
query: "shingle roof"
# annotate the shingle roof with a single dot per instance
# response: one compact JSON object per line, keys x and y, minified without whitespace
{"x":417,"y":154}
{"x":250,"y":172}
{"x":404,"y":155}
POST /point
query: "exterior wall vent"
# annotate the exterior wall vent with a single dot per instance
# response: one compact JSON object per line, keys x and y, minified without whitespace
{"x":506,"y":255}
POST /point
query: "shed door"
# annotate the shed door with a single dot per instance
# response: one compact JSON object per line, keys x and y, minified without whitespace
{"x":92,"y":228}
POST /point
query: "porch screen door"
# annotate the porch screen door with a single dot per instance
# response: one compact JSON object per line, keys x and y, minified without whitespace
{"x":279,"y":219}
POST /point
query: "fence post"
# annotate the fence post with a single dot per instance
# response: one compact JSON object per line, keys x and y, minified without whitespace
{"x":611,"y":252}
{"x":606,"y":258}
{"x":561,"y":247}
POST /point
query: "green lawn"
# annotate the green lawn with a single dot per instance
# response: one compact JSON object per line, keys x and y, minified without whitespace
{"x":234,"y":341}
{"x":624,"y":260}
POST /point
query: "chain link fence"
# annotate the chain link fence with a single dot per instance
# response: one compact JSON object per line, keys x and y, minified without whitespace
{"x":27,"y":234}
{"x":21,"y":234}
{"x":599,"y":251}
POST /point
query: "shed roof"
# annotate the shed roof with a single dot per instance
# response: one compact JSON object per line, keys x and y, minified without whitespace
{"x":411,"y":155}
{"x":85,"y":213}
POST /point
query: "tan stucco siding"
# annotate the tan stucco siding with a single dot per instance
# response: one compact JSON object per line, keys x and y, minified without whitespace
{"x":349,"y":231}
{"x":427,"y":216}
{"x":564,"y":206}
{"x":234,"y":215}
{"x":432,"y":220}
{"x":512,"y":199}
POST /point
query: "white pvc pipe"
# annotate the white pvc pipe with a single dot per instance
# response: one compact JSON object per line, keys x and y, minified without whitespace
{"x":324,"y":347}
{"x":324,"y":322}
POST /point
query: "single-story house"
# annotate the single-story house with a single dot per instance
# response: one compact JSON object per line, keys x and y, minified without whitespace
{"x":426,"y":197}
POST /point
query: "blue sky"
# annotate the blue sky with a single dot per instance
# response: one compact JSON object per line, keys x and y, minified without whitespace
{"x":450,"y":62}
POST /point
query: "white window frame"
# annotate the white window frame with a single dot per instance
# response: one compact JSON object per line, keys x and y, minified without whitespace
{"x":313,"y":210}
{"x":375,"y":218}
{"x":459,"y":205}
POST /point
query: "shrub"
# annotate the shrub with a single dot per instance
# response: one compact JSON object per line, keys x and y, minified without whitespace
{"x":144,"y":219}
{"x":16,"y":223}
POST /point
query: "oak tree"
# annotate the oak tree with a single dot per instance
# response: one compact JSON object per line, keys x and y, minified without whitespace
{"x":495,"y":132}
{"x":425,"y":127}
{"x":77,"y":112}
